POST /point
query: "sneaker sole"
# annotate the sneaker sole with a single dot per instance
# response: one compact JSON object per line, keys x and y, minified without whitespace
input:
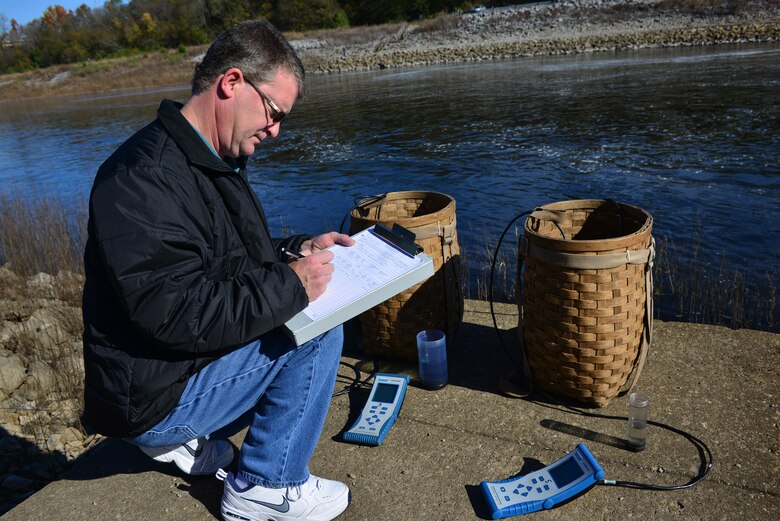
{"x":335,"y":507}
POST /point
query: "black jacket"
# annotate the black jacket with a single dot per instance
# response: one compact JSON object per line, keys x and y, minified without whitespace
{"x":180,"y":269}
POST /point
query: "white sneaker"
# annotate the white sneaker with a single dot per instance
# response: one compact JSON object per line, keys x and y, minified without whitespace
{"x":196,"y":457}
{"x":316,"y":500}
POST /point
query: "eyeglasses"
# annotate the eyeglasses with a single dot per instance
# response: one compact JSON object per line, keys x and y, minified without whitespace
{"x":277,"y":114}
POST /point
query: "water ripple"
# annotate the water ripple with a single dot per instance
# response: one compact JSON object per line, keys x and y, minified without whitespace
{"x":690,"y":134}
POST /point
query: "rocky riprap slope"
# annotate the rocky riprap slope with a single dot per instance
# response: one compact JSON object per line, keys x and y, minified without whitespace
{"x":41,"y":381}
{"x":568,"y":26}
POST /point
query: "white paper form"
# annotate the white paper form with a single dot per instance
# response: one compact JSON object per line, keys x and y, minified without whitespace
{"x":360,"y":269}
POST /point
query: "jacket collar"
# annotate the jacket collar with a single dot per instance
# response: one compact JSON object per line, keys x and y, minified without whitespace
{"x":182,"y":132}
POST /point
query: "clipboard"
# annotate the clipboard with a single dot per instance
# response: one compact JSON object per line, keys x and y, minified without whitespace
{"x":382,"y":263}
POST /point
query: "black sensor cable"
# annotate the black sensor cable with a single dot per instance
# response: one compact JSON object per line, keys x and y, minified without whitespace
{"x":705,"y":454}
{"x":356,"y":381}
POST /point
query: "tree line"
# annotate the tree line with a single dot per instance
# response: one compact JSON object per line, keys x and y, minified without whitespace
{"x":67,"y":36}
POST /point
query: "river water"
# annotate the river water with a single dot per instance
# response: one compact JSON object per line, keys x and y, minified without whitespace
{"x":692,"y":135}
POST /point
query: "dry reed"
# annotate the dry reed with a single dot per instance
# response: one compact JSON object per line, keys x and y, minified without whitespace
{"x":40,"y":235}
{"x":686,"y":288}
{"x":41,"y":246}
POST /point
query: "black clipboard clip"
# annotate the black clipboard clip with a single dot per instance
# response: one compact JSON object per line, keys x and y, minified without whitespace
{"x":399,"y":237}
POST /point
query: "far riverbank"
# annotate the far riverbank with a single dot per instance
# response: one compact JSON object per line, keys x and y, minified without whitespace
{"x":569,"y":26}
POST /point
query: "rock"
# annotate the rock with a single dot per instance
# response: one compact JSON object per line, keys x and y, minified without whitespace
{"x":66,"y":411}
{"x":76,"y":359}
{"x":19,"y":309}
{"x":13,"y":429}
{"x":59,"y":77}
{"x":69,"y":435}
{"x":306,"y":43}
{"x":69,"y":286}
{"x":40,"y":381}
{"x":12,"y":374}
{"x":54,"y":443}
{"x":7,"y":331}
{"x":8,"y":281}
{"x":559,"y":28}
{"x":34,"y":422}
{"x":9,"y":310}
{"x":50,"y":328}
{"x":42,"y":285}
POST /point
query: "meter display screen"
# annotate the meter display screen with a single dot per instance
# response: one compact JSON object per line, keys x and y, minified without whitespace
{"x":566,"y":472}
{"x":385,"y":393}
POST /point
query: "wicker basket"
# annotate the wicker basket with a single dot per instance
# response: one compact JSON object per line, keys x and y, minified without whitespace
{"x":391,"y":327}
{"x":586,"y":301}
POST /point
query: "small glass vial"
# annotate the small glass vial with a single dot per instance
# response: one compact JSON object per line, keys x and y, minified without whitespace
{"x":637,"y":421}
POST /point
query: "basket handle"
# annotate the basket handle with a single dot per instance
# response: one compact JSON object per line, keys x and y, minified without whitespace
{"x":584,"y":262}
{"x":554,"y":216}
{"x":446,"y":232}
{"x":362,"y":202}
{"x":557,"y":216}
{"x":647,"y":334}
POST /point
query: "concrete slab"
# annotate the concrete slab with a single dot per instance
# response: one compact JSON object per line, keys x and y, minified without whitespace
{"x":720,"y":385}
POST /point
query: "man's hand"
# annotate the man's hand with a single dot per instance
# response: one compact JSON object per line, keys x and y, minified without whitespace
{"x":325,"y":240}
{"x":315,"y":269}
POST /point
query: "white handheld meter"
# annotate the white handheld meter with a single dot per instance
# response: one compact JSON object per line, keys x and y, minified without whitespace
{"x":544,"y":488}
{"x":381,"y":410}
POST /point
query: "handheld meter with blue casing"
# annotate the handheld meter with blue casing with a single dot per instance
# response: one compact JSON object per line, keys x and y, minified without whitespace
{"x":380,"y":411}
{"x":545,"y":488}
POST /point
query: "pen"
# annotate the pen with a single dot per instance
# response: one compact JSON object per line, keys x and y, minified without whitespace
{"x":292,"y":254}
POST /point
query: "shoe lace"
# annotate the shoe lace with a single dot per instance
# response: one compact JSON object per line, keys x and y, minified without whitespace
{"x":295,"y":493}
{"x":221,"y":474}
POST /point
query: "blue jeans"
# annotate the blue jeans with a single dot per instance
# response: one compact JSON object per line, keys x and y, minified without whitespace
{"x":281,"y":391}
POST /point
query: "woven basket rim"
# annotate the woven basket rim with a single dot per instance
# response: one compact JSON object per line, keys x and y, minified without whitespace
{"x":634,"y":239}
{"x":445,"y":213}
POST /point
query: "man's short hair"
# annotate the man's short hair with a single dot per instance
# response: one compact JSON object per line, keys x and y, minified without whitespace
{"x":255,"y":47}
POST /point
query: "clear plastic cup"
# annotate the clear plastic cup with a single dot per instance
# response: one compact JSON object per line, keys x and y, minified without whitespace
{"x":432,"y":357}
{"x":638,"y":404}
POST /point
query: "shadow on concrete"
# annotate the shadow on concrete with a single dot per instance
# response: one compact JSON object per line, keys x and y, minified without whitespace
{"x":113,"y":457}
{"x":478,"y":502}
{"x":476,"y":359}
{"x":480,"y":356}
{"x":25,"y":469}
{"x":355,"y":380}
{"x":206,"y":490}
{"x":586,"y":434}
{"x":474,"y":362}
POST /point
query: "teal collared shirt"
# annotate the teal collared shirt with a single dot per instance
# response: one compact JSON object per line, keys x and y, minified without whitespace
{"x":232,"y":163}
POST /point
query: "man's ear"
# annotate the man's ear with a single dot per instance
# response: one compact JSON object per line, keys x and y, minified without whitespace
{"x":229,"y":81}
